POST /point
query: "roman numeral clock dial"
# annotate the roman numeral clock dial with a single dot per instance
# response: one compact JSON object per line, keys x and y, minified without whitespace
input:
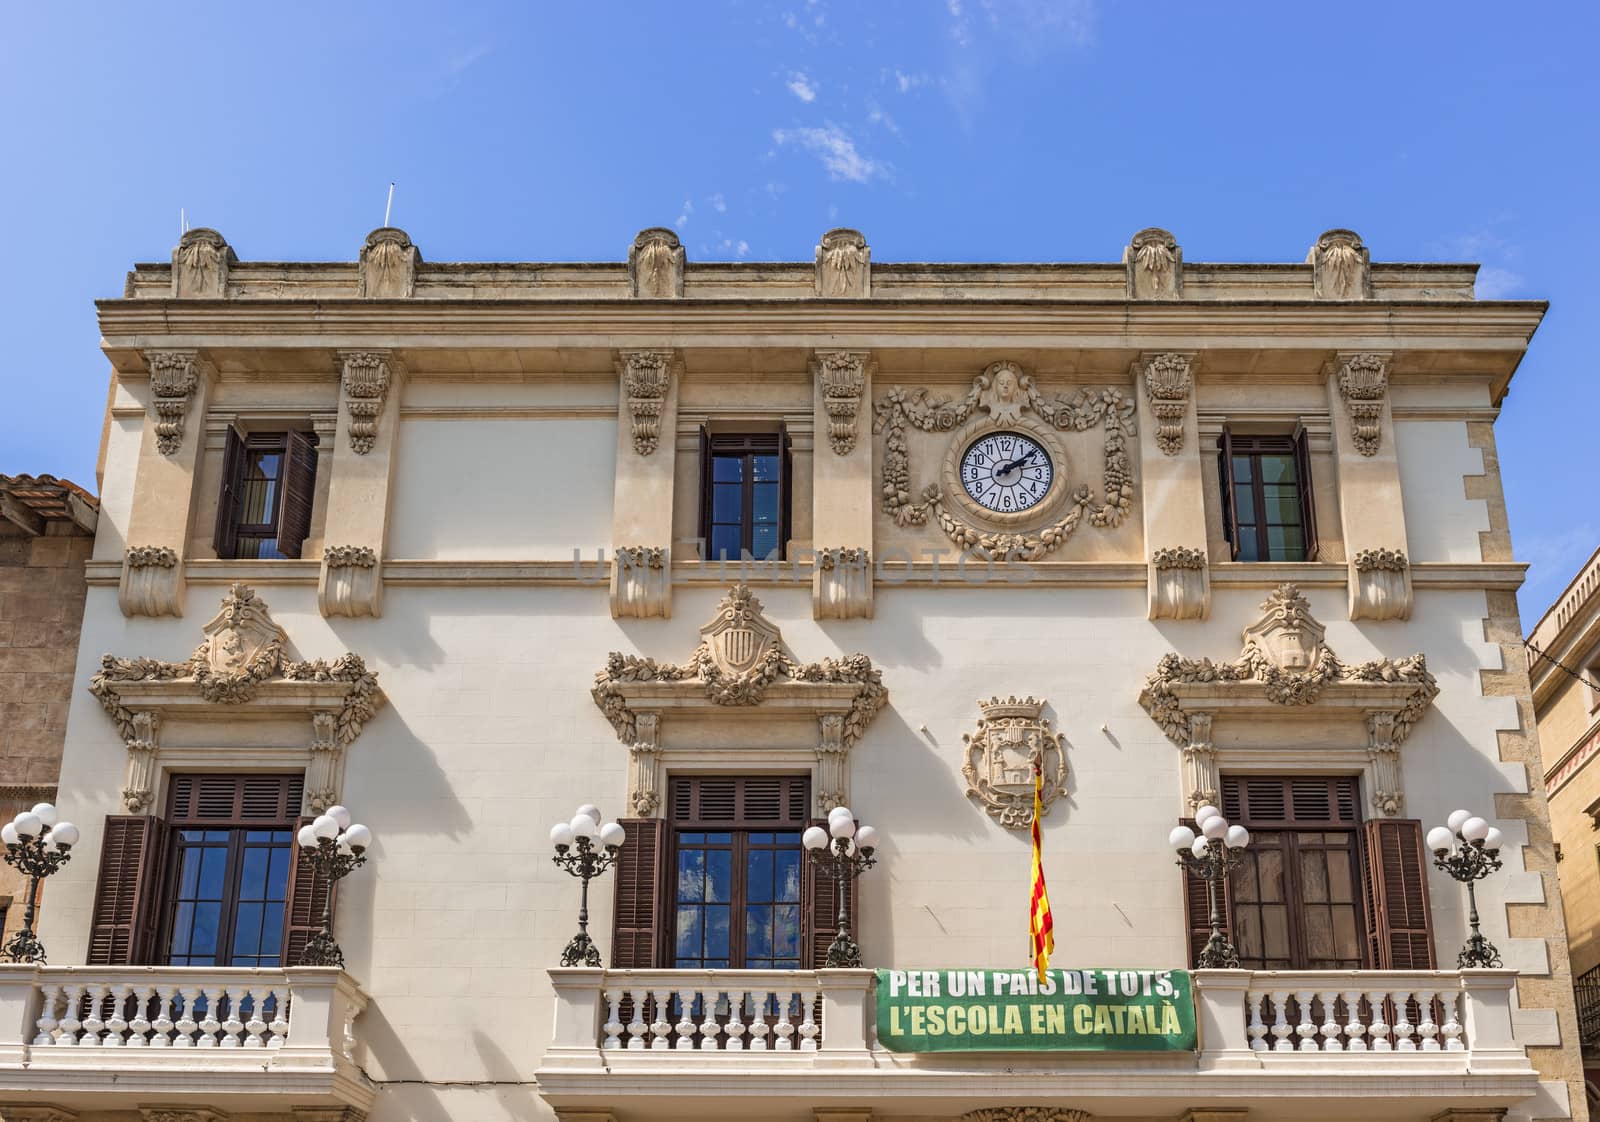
{"x":1006,"y":472}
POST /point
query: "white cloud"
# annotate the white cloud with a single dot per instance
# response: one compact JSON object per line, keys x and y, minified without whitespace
{"x":837,"y":151}
{"x":1495,"y":283}
{"x":718,"y":203}
{"x":801,"y":87}
{"x":877,"y":116}
{"x":683,"y":216}
{"x":905,"y":83}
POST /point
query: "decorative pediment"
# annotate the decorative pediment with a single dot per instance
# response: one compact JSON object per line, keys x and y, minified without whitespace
{"x":740,"y":664}
{"x":1286,"y":664}
{"x":241,"y":668}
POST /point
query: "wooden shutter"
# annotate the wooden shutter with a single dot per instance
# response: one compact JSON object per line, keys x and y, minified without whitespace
{"x":297,"y":492}
{"x":821,"y":914}
{"x":785,"y":494}
{"x":1230,"y":529}
{"x":127,"y":901}
{"x":1399,"y":921}
{"x":639,"y":901}
{"x":705,"y":493}
{"x":302,"y":913}
{"x":1308,"y":505}
{"x":225,"y":536}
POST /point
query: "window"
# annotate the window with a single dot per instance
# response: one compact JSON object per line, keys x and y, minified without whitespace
{"x":744,"y":504}
{"x":1267,"y":511}
{"x":268,"y":482}
{"x":232,"y":849}
{"x":737,"y":870}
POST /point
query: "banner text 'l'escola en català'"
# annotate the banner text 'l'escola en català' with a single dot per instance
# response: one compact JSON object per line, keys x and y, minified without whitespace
{"x":1013,"y":1011}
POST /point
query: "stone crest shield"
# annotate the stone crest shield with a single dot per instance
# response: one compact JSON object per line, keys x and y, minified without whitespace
{"x":242,"y":633}
{"x":740,"y":636}
{"x":1011,"y":739}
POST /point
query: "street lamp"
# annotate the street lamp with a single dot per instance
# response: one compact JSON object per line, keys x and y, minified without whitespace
{"x":1477,"y":855}
{"x":847,"y":848}
{"x":336,"y":848}
{"x":36,"y":845}
{"x":1211,"y":857}
{"x":587,"y":862}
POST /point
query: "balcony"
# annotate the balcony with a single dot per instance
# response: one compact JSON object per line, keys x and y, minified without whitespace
{"x":235,"y":1040}
{"x":1408,"y":1044}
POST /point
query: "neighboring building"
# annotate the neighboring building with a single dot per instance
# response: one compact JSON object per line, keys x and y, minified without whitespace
{"x":425,"y":540}
{"x":1564,"y":668}
{"x":46,"y":533}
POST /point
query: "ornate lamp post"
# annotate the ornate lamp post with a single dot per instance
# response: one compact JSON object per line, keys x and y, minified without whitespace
{"x":1211,"y":857}
{"x":577,"y":854}
{"x":846,"y":850}
{"x":36,"y":845}
{"x":1477,"y":855}
{"x":336,"y":847}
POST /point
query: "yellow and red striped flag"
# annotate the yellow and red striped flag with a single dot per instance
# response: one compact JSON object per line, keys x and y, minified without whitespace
{"x":1040,"y":923}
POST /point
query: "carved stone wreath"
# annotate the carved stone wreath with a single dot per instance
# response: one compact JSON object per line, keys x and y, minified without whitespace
{"x":1004,"y":392}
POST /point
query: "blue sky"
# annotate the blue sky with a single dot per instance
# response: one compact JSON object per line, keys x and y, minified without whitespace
{"x":950,"y":130}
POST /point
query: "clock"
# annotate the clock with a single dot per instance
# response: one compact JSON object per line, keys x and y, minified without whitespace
{"x":1007,"y":472}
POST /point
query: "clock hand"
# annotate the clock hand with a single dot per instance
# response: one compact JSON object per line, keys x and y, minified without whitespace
{"x":1018,"y":462}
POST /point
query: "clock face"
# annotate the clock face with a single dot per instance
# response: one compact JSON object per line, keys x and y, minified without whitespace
{"x":1006,"y":472}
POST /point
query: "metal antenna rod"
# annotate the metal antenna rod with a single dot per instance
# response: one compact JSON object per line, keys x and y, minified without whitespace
{"x":388,"y":205}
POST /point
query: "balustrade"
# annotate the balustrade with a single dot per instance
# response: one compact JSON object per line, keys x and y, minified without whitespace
{"x":112,"y":1012}
{"x":710,"y":1011}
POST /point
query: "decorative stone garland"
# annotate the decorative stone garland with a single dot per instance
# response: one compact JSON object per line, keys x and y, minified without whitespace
{"x":1381,"y":560}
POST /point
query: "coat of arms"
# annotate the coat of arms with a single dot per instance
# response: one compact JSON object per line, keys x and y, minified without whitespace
{"x":740,"y":636}
{"x":1011,"y":739}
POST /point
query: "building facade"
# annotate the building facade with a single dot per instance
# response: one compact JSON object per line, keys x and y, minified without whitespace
{"x":1564,"y":670}
{"x":722,"y":548}
{"x":47,"y":530}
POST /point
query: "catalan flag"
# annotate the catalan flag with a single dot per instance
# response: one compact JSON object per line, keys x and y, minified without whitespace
{"x":1041,"y":925}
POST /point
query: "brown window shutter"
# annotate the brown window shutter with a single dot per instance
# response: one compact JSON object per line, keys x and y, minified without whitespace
{"x":225,"y":536}
{"x":822,"y":907}
{"x":1308,"y":505}
{"x":299,"y":490}
{"x":1399,"y":921}
{"x":638,"y":900}
{"x":127,"y":900}
{"x":302,"y":915}
{"x":785,"y":493}
{"x":1225,"y":476}
{"x":705,"y":493}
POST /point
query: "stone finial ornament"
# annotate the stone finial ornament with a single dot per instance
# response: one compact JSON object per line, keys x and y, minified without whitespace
{"x":1341,"y":267}
{"x":841,"y":378}
{"x":1154,"y":261}
{"x":365,"y":377}
{"x":1168,"y":378}
{"x":655,"y":264}
{"x":1363,"y":382}
{"x":1010,"y":740}
{"x":200,"y":265}
{"x":844,"y":264}
{"x":388,"y":267}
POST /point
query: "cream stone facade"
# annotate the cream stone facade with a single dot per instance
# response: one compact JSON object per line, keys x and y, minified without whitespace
{"x":1563,"y":656}
{"x":499,"y":610}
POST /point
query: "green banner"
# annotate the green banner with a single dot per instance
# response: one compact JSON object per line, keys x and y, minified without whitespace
{"x":1013,"y":1011}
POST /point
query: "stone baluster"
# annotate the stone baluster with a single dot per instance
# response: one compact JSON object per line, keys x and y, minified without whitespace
{"x":758,"y":1022}
{"x":233,"y":1026}
{"x":186,"y":1024}
{"x":1403,"y":1027}
{"x":69,"y":1017}
{"x":638,"y":1029}
{"x":210,"y":1026}
{"x":255,"y":1026}
{"x":1330,"y":1022}
{"x":279,"y":1026}
{"x":139,"y":1026}
{"x":810,"y":1031}
{"x":736,"y":1003}
{"x":1428,"y":1028}
{"x":162,"y":1026}
{"x":1379,"y":1029}
{"x":93,"y":1026}
{"x":116,"y":1022}
{"x":613,"y":1027}
{"x":709,"y":1028}
{"x":661,"y":1028}
{"x":1254,"y":1001}
{"x":1306,"y":1029}
{"x":1281,"y":1029}
{"x":1452,"y":1029}
{"x":49,"y":996}
{"x":685,"y":1025}
{"x":1354,"y":1029}
{"x":785,"y":1026}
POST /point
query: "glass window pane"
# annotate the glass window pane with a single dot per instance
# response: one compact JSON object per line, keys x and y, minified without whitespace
{"x":766,"y":468}
{"x":717,"y":944}
{"x":189,"y":870}
{"x":1275,"y":929}
{"x":247,"y":929}
{"x":786,"y":932}
{"x":719,"y":876}
{"x":787,"y":876}
{"x":1277,"y":468}
{"x":1247,"y":928}
{"x":182,"y":921}
{"x":1269,"y":862}
{"x":253,"y":877}
{"x":1242,"y":472}
{"x":691,"y":875}
{"x":759,"y":876}
{"x":758,"y":932}
{"x":689,"y":933}
{"x":726,"y":502}
{"x":1319,"y":937}
{"x":1283,"y":505}
{"x":203,"y":939}
{"x":1340,"y":889}
{"x":272,"y":933}
{"x":1346,"y":942}
{"x":1285,"y":543}
{"x":766,"y":502}
{"x":763,"y":541}
{"x":1244,"y":505}
{"x":727,"y":469}
{"x":1249,"y":547}
{"x":213,"y":866}
{"x":725,"y":542}
{"x":1314,"y":876}
{"x":723,"y":838}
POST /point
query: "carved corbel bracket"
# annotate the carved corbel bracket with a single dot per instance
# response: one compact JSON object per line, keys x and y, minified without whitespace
{"x":152,"y":582}
{"x":174,"y":376}
{"x":644,"y":764}
{"x":833,"y":758}
{"x":1341,"y":267}
{"x":1154,"y":261}
{"x":327,"y":761}
{"x":351,"y":582}
{"x":655,"y":264}
{"x":841,"y":380}
{"x":388,"y":267}
{"x":1202,"y":786}
{"x":144,"y":745}
{"x":1388,"y":792}
{"x":1380,"y":585}
{"x":841,"y":584}
{"x":200,"y":265}
{"x":1168,"y":379}
{"x":646,"y":381}
{"x":365,"y":378}
{"x":1179,"y":583}
{"x":844,"y":264}
{"x":641,"y":582}
{"x":1363,"y":383}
